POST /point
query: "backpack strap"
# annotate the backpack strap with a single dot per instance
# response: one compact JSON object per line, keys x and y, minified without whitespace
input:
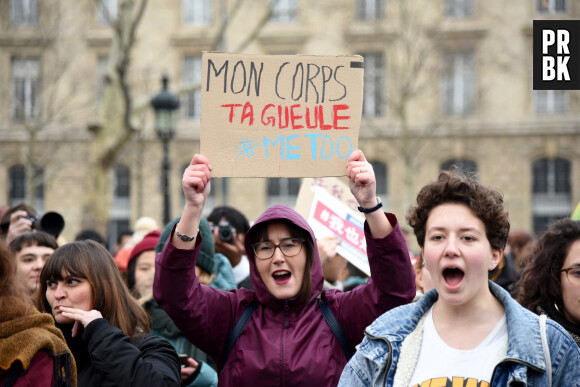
{"x":247,"y":314}
{"x":238,"y":328}
{"x":336,"y":328}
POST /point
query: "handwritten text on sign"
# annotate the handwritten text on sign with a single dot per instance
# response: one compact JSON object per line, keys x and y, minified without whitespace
{"x":279,"y":115}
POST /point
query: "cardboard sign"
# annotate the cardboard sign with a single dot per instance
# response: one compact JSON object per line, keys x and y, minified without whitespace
{"x":328,"y":215}
{"x":280,"y":115}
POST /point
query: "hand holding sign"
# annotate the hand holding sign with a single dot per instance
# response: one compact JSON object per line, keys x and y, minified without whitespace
{"x":362,"y":180}
{"x":196,"y":181}
{"x":363,"y":186}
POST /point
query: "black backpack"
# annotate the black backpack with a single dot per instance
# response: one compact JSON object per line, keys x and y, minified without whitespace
{"x":324,"y":308}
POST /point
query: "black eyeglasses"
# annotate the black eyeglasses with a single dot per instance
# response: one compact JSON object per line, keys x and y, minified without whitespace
{"x":290,"y":247}
{"x":573,"y":274}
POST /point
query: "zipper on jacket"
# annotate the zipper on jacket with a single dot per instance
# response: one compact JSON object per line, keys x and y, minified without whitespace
{"x":286,"y":325}
{"x":286,"y":315}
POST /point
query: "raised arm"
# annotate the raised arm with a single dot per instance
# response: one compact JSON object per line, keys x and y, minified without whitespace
{"x":196,"y":188}
{"x":202,"y":314}
{"x":392,"y":281}
{"x":363,"y":186}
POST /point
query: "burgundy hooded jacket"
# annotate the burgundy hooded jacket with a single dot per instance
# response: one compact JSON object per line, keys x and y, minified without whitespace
{"x":283,"y":344}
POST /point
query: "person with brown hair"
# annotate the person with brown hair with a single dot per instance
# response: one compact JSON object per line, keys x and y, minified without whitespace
{"x":467,"y":330}
{"x":104,"y":326}
{"x":31,"y":251}
{"x":286,"y":340}
{"x":550,"y":282}
{"x":33,"y":351}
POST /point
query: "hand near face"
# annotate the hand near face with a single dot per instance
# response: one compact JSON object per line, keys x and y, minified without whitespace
{"x":80,"y":316}
{"x":233,"y":251}
{"x":361,"y":179}
{"x":18,"y":225}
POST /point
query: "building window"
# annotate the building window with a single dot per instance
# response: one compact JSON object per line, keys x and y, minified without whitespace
{"x":459,"y":83}
{"x":17,"y":184}
{"x":459,"y":8}
{"x":120,"y":213}
{"x":369,"y":10}
{"x":191,"y":101}
{"x":381,"y":176}
{"x":284,"y":11}
{"x":551,"y":101}
{"x":468,"y":167}
{"x":551,"y":191}
{"x":122,"y":182}
{"x":551,"y":6}
{"x":25,"y":90}
{"x":283,"y":190}
{"x":106,"y":12}
{"x":198,"y":12}
{"x":24,"y":13}
{"x":373,"y":93}
{"x":102,"y":64}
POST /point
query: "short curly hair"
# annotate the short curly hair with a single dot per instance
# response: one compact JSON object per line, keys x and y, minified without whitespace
{"x":453,"y":186}
{"x":540,"y":282}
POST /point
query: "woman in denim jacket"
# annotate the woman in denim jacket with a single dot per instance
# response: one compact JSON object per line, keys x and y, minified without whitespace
{"x":468,"y":330}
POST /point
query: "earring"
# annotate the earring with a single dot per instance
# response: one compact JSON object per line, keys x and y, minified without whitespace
{"x":491,"y":266}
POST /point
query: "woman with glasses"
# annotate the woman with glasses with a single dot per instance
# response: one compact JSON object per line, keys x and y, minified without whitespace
{"x":550,"y":283}
{"x":286,"y":340}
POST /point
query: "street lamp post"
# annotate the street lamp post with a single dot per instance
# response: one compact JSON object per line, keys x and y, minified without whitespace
{"x":165,"y":105}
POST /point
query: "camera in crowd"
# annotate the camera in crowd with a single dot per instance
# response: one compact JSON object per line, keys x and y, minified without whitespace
{"x":50,"y":222}
{"x":225,"y":231}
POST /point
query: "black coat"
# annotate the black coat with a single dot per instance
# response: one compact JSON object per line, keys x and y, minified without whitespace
{"x":105,"y":356}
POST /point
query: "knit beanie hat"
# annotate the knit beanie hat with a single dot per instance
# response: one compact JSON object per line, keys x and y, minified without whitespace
{"x":147,"y":243}
{"x":205,"y":259}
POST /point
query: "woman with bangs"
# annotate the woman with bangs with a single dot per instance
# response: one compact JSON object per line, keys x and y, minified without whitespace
{"x":286,"y":341}
{"x":467,"y":330}
{"x":104,"y":326}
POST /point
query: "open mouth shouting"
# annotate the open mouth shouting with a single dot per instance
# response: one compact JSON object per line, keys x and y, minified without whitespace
{"x":281,"y":277}
{"x":453,"y":277}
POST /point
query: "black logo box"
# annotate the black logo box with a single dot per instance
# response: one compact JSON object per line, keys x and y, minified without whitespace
{"x":573,"y":64}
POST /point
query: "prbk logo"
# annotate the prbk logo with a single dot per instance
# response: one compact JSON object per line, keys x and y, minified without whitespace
{"x":556,"y":55}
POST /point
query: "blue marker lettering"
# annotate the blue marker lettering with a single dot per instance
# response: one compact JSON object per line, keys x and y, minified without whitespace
{"x":279,"y":138}
{"x":291,"y":156}
{"x":338,"y":147}
{"x":313,"y":146}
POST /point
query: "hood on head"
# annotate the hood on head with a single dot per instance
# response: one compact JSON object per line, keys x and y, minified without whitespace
{"x":280,"y":212}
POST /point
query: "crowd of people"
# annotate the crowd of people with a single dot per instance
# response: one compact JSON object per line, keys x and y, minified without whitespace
{"x":219,"y":300}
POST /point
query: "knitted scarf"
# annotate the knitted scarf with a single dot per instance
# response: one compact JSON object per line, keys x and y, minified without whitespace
{"x":25,"y":332}
{"x":554,"y":314}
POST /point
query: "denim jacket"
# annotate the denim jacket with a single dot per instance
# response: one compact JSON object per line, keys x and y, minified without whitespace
{"x":375,"y":361}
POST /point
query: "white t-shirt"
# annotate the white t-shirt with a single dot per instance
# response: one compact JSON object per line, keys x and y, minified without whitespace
{"x":242,"y":269}
{"x":439,"y":363}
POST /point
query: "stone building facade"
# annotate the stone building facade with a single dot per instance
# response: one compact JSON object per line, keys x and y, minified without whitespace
{"x":446,"y":82}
